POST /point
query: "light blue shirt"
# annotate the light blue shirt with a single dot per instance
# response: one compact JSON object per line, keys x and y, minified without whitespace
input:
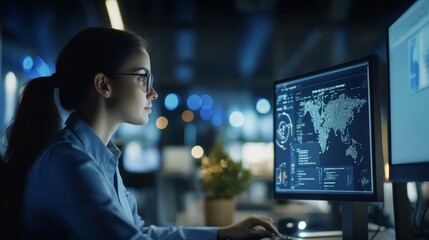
{"x":74,"y":191}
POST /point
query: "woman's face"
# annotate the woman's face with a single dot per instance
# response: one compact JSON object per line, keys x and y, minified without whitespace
{"x":130,"y":101}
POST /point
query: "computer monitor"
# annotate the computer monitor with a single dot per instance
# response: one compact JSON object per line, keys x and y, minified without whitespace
{"x":324,"y":135}
{"x":138,"y":167}
{"x":408,"y":118}
{"x":408,"y":72}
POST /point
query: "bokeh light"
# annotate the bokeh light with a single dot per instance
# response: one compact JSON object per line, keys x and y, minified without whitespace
{"x":197,"y":151}
{"x":171,"y":101}
{"x":41,"y":67}
{"x":187,"y":116}
{"x":11,"y":87}
{"x":263,"y":106}
{"x":206,"y":101}
{"x":206,"y":114}
{"x":161,"y":122}
{"x":194,"y":102}
{"x":27,"y":63}
{"x":237,"y":119}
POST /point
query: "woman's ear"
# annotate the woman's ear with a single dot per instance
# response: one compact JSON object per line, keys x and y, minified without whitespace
{"x":102,"y":85}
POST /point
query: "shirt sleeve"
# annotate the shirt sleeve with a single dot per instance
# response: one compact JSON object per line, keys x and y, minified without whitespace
{"x":167,"y":233}
{"x":75,"y":195}
{"x":181,"y":233}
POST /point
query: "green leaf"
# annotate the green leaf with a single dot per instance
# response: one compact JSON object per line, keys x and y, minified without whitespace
{"x":221,"y":176}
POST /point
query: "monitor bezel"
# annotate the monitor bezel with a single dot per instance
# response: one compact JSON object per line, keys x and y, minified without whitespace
{"x":412,"y":172}
{"x":377,"y":164}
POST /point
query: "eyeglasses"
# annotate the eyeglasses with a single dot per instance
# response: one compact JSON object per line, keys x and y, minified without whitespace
{"x":145,"y":78}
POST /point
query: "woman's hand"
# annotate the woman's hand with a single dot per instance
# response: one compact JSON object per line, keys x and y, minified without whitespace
{"x":254,"y":227}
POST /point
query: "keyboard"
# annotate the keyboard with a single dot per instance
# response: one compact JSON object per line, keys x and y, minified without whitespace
{"x":280,"y":237}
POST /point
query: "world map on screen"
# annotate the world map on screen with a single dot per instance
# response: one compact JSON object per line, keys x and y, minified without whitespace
{"x":336,"y":115}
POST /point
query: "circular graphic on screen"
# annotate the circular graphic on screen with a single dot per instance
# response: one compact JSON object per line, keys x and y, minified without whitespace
{"x":284,"y":129}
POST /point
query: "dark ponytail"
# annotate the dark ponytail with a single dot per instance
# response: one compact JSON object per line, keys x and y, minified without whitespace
{"x":36,"y":120}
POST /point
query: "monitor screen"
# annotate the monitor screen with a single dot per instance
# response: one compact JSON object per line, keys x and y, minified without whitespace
{"x":324,"y":134}
{"x":138,"y":166}
{"x":408,"y":69}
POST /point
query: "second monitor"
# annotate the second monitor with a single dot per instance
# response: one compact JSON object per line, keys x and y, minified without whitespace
{"x":326,"y":143}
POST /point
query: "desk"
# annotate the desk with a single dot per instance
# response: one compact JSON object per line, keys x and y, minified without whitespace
{"x":193,"y":216}
{"x":388,"y":234}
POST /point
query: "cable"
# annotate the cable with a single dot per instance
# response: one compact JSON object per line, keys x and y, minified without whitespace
{"x":417,"y":228}
{"x":413,"y":225}
{"x":380,"y":215}
{"x":423,"y":217}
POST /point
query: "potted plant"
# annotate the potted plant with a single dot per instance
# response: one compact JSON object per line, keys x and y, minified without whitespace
{"x":221,"y":179}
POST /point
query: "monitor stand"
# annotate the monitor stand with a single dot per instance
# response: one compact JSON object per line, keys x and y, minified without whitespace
{"x":355,"y":220}
{"x":402,"y":211}
{"x":354,"y":223}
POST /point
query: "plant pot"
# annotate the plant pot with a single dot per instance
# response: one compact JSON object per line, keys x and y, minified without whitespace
{"x":219,"y":211}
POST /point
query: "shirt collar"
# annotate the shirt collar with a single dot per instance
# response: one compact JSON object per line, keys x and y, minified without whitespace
{"x":91,"y":142}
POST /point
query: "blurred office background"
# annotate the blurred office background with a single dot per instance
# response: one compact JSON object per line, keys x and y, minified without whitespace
{"x":214,"y":64}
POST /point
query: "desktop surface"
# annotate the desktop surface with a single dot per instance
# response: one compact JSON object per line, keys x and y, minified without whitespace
{"x":321,"y":224}
{"x":183,"y":219}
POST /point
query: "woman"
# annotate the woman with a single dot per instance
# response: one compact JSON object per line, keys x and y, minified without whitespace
{"x":73,"y":187}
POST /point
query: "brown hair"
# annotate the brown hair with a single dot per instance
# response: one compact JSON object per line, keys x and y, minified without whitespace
{"x":91,"y":51}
